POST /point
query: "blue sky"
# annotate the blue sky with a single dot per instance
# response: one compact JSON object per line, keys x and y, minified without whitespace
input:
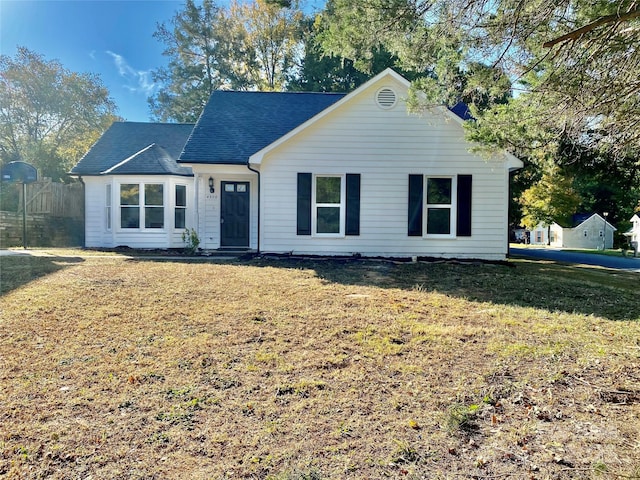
{"x":111,"y":38}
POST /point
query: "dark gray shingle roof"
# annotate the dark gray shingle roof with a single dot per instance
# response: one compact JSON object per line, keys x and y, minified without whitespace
{"x":235,"y":125}
{"x":151,"y":160}
{"x":134,"y":141}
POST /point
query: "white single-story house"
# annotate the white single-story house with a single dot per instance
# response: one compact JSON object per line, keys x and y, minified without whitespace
{"x":301,"y":173}
{"x":634,"y":234}
{"x":590,"y":232}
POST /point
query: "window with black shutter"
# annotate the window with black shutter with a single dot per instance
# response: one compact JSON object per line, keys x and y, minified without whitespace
{"x":328,"y":205}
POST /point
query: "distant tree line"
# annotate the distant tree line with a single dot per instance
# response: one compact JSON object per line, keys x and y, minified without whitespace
{"x":49,"y":116}
{"x":553,"y":81}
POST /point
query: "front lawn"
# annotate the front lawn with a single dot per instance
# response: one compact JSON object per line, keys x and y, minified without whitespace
{"x":281,"y":369}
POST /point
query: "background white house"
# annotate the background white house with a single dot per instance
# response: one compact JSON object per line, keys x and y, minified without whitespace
{"x":590,"y":232}
{"x":634,"y":233}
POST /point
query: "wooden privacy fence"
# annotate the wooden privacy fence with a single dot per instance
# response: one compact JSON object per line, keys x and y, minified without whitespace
{"x":54,"y":199}
{"x":55,"y":215}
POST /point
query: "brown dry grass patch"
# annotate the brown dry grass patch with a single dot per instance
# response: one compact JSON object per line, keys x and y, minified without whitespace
{"x":115,"y":368}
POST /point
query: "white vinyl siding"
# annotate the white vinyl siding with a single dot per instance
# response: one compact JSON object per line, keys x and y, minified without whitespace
{"x":385,"y":147}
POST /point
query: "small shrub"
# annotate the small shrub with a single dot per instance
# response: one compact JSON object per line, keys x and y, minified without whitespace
{"x":191,"y":241}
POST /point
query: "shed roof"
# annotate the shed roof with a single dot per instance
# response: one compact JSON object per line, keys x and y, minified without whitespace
{"x":235,"y":125}
{"x":136,"y":148}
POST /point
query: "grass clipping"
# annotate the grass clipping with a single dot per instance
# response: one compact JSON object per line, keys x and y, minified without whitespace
{"x":114,"y":368}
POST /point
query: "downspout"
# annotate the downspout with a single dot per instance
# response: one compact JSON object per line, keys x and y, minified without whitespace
{"x":84,"y":212}
{"x":258,"y":173}
{"x":196,"y":195}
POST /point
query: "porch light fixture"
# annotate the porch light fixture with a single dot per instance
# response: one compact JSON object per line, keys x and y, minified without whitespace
{"x":211,"y":187}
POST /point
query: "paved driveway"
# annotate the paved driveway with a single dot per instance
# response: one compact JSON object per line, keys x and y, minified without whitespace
{"x":559,"y":255}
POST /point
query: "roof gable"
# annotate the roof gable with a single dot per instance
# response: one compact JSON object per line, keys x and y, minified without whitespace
{"x":459,"y":113}
{"x":386,"y":74}
{"x":122,"y":140}
{"x":235,"y":125}
{"x":581,"y":219}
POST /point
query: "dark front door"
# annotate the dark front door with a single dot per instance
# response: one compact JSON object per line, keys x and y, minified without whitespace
{"x":234,"y":214}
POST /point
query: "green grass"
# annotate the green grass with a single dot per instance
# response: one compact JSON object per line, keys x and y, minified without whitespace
{"x":279,"y":369}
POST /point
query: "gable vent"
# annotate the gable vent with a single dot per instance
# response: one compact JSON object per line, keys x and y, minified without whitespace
{"x":386,"y":98}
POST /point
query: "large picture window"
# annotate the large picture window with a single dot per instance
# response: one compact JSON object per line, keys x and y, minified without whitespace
{"x":328,"y":204}
{"x":141,"y":204}
{"x":180,"y":213}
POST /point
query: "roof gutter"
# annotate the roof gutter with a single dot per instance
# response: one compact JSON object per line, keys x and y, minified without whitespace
{"x":258,"y":173}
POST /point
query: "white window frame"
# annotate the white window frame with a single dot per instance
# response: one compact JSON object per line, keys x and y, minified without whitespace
{"x":341,"y":205}
{"x":142,"y":205}
{"x":108,"y":208}
{"x":177,"y":207}
{"x":453,"y":207}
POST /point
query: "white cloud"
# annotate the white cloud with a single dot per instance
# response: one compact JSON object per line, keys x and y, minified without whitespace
{"x":138,"y":81}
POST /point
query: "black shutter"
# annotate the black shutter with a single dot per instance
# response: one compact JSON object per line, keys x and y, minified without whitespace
{"x":463,"y":216}
{"x":352,"y":226}
{"x":416,"y":185}
{"x":304,"y":204}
